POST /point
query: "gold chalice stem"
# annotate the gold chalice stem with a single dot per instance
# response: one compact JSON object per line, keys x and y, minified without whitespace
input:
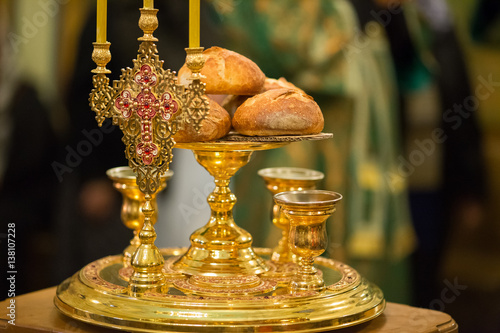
{"x":124,"y":180}
{"x":147,"y":260}
{"x":282,"y":253}
{"x":307,"y":212}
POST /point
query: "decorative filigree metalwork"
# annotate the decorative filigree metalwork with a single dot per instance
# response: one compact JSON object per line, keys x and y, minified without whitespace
{"x":101,"y":97}
{"x":198,"y":106}
{"x":147,"y":104}
{"x":196,"y":101}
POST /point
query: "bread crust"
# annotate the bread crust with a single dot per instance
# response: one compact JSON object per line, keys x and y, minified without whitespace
{"x":281,"y":83}
{"x":215,"y":126}
{"x":227,"y":72}
{"x":279,"y":112}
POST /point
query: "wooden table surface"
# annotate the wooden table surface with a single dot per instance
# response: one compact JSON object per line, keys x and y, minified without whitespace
{"x":35,"y":312}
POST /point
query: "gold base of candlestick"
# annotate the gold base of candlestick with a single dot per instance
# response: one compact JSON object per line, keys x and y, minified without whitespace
{"x":98,"y":295}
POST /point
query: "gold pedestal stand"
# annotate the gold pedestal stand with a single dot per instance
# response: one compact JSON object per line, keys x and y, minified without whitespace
{"x":221,"y":248}
{"x":221,"y":283}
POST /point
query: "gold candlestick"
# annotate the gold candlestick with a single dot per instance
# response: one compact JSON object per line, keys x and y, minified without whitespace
{"x":307,"y":212}
{"x":281,"y":180}
{"x":124,"y":180}
{"x":148,"y":104}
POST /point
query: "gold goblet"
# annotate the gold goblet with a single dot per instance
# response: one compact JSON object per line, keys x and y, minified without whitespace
{"x":287,"y":179}
{"x":307,"y":212}
{"x":124,"y":180}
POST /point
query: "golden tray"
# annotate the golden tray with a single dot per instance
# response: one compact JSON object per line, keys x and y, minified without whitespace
{"x":98,"y":295}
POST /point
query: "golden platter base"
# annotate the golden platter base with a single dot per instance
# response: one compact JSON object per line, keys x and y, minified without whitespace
{"x":98,"y":294}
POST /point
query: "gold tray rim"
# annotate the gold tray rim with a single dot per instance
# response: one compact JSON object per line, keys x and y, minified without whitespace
{"x":234,"y":141}
{"x":72,"y":307}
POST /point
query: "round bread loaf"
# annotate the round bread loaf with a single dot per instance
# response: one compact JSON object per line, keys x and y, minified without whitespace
{"x":281,"y":83}
{"x":215,"y":126}
{"x":279,"y":112}
{"x":227,"y":72}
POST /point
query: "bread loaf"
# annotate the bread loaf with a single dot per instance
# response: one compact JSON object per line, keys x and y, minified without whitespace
{"x":215,"y":126}
{"x":228,"y":73}
{"x":279,"y":112}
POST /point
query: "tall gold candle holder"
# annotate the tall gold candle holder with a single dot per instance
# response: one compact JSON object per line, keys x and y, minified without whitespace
{"x":149,"y":106}
{"x":283,"y":179}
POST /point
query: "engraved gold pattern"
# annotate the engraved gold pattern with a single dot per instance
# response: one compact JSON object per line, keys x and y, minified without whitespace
{"x":338,"y":306}
{"x":196,"y":101}
{"x":101,"y":56}
{"x":148,"y":23}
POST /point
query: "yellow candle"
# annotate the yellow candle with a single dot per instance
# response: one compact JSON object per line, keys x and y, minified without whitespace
{"x":149,"y":4}
{"x":194,"y":23}
{"x":102,"y":9}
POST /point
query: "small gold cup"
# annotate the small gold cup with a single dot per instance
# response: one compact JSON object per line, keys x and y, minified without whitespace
{"x":124,"y":180}
{"x":307,"y":212}
{"x":287,"y":179}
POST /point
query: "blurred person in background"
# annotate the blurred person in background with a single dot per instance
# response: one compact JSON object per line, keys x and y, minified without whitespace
{"x":443,"y":158}
{"x":485,"y":25}
{"x":27,"y":147}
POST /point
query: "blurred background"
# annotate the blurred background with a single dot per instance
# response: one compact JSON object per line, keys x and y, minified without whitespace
{"x":410,"y":89}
